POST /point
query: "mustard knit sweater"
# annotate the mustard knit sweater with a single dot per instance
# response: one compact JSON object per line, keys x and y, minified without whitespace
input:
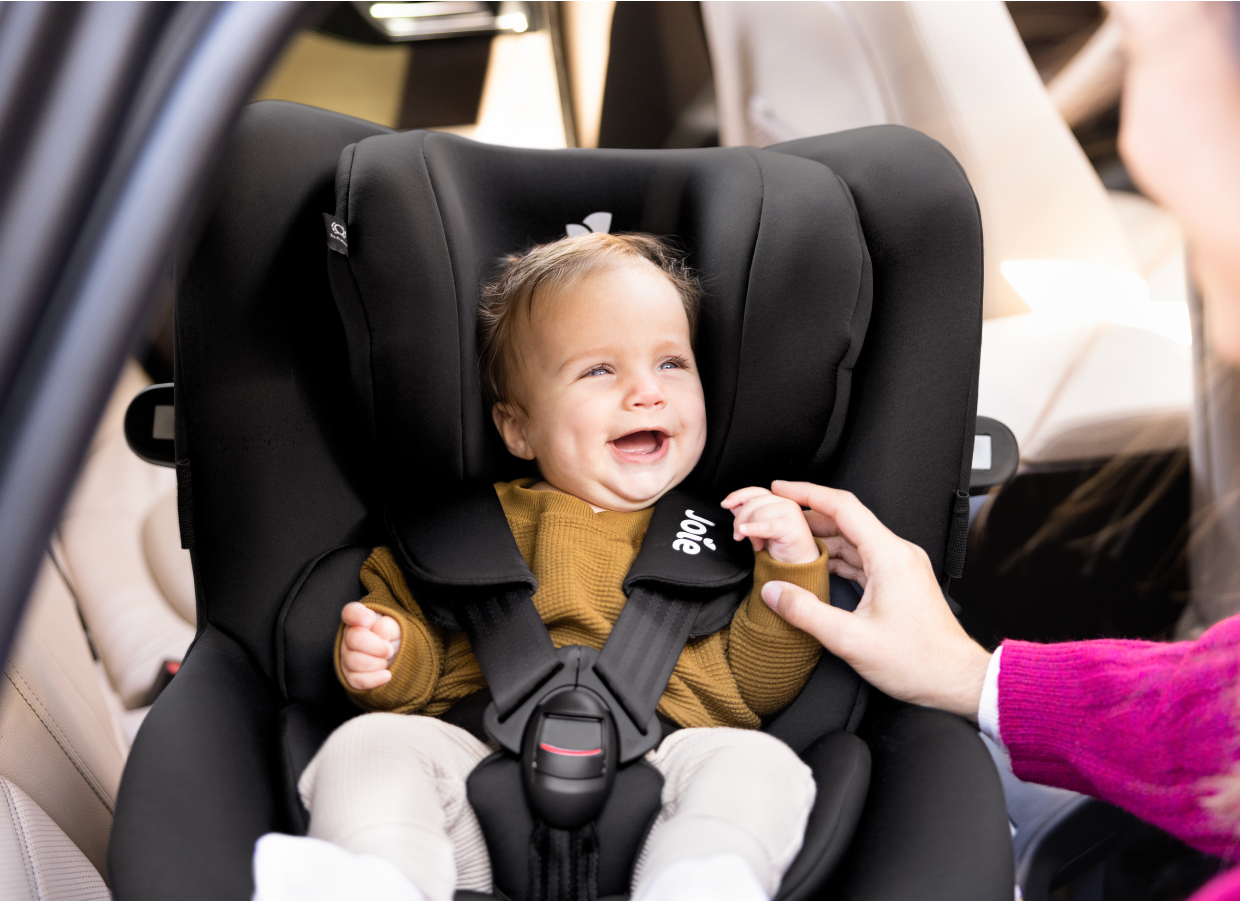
{"x":753,"y":667}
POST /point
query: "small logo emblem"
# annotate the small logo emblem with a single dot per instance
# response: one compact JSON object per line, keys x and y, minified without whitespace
{"x":598,"y":223}
{"x":337,"y":234}
{"x":692,"y":528}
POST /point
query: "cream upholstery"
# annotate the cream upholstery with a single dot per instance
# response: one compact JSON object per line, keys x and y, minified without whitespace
{"x":956,"y":71}
{"x":1084,"y":391}
{"x":1070,"y":389}
{"x":167,"y":560}
{"x":57,"y":738}
{"x":37,"y":860}
{"x":123,"y":557}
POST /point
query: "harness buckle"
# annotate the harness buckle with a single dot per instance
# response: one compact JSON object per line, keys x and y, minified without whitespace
{"x":569,"y":757}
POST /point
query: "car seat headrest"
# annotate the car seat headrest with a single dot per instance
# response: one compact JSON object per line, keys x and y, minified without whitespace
{"x":775,"y":238}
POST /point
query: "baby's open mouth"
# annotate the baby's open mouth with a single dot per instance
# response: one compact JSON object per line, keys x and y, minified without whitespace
{"x":640,"y":444}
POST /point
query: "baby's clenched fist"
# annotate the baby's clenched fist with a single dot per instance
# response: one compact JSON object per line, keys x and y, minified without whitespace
{"x":370,"y":642}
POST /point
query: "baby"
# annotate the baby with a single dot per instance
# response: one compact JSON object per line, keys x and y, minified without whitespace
{"x":587,"y":347}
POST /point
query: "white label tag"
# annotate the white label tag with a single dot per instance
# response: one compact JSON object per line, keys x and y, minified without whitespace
{"x":981,"y":452}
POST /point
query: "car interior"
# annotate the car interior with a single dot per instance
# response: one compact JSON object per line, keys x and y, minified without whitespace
{"x":1078,"y":427}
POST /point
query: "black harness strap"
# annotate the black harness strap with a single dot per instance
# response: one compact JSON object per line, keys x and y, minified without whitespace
{"x":468,"y":574}
{"x":512,"y":645}
{"x":641,"y":652}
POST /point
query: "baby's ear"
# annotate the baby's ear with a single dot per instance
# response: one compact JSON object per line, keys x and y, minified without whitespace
{"x":510,"y":421}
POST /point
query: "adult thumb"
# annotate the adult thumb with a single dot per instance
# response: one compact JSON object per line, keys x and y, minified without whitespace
{"x":804,"y":610}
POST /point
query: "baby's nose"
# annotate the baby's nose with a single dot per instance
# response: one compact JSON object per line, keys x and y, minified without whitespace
{"x":647,"y":392}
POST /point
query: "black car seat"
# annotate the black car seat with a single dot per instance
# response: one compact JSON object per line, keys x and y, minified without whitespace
{"x":297,"y":419}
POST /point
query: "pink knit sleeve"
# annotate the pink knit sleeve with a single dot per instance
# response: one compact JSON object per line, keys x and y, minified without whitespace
{"x":1149,"y":727}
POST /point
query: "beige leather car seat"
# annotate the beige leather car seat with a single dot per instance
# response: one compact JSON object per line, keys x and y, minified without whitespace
{"x":37,"y":860}
{"x":1070,"y":387}
{"x":120,"y":545}
{"x":58,"y":742}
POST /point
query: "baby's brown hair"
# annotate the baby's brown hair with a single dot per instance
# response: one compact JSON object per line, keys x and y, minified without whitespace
{"x":549,"y":268}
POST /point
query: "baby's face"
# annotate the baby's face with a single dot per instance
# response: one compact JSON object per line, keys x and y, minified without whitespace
{"x":612,"y":403}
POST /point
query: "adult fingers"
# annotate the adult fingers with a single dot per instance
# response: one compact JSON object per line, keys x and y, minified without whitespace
{"x":358,"y":614}
{"x":367,"y":681}
{"x":837,"y":567}
{"x":840,"y":549}
{"x":822,"y":526}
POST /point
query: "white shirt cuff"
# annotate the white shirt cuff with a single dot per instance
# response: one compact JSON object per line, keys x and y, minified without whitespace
{"x":988,"y":707}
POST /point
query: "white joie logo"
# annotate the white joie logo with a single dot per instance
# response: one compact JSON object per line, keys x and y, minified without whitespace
{"x":691,"y":531}
{"x":599,"y":223}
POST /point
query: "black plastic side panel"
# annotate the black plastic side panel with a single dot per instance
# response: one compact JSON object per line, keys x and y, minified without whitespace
{"x":197,"y":791}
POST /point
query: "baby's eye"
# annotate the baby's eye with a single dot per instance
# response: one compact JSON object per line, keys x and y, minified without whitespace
{"x":598,"y":370}
{"x":672,"y":364}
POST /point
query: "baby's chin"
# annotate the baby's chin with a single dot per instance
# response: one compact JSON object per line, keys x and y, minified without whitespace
{"x":627,"y":495}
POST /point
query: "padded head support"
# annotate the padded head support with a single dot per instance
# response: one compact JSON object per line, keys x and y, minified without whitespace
{"x":775,"y":238}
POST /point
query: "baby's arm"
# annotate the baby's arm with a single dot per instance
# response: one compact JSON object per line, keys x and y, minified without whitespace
{"x":369,"y":643}
{"x":773,"y":523}
{"x":388,"y":655}
{"x":769,"y":659}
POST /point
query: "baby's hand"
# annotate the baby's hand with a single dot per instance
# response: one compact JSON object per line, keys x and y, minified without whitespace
{"x":773,"y":522}
{"x":370,"y":643}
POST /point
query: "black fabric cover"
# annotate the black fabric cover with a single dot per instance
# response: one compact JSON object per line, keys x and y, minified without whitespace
{"x":908,"y":442}
{"x":267,"y":419}
{"x":305,"y":635}
{"x":775,"y":238}
{"x":840,"y":763}
{"x":934,"y":826}
{"x":300,"y":730}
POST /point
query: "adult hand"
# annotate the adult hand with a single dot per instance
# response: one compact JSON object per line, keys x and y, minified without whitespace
{"x":370,"y":642}
{"x":902,"y":638}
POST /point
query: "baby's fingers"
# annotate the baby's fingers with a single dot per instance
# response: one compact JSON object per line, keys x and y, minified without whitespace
{"x":762,"y":528}
{"x":358,"y":662}
{"x":367,"y":681}
{"x":741,"y":495}
{"x":358,"y":614}
{"x":366,"y":642}
{"x":386,"y":628}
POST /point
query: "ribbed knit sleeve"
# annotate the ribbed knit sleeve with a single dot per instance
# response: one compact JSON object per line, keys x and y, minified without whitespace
{"x":1153,"y":728}
{"x":771,"y":660}
{"x":418,"y":663}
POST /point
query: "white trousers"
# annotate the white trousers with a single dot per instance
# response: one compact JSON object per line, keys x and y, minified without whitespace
{"x":394,"y":786}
